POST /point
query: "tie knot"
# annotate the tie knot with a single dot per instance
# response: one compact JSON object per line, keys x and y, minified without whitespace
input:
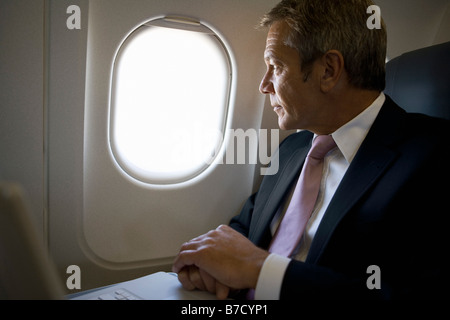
{"x":321,"y":146}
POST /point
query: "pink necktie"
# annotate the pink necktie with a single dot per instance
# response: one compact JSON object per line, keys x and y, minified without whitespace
{"x":303,"y":200}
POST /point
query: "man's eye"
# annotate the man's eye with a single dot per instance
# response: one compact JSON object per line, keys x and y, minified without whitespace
{"x":277,"y":69}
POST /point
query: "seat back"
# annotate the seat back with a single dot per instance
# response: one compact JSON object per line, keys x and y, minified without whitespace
{"x":26,"y":271}
{"x":419,"y":81}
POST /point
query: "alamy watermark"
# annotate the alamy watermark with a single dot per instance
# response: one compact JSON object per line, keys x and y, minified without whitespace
{"x":234,"y":146}
{"x":74,"y":20}
{"x":374,"y":21}
{"x":73,"y":282}
{"x":374,"y":280}
{"x":235,"y":139}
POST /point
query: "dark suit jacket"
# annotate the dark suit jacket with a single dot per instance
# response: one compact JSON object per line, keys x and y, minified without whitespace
{"x":390,"y":210}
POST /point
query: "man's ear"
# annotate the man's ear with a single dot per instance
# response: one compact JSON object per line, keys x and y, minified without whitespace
{"x":333,"y":63}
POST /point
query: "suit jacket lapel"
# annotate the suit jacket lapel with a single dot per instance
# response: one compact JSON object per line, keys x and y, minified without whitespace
{"x":371,"y":161}
{"x":289,"y":171}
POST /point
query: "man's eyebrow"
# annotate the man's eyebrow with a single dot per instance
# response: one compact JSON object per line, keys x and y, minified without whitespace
{"x":270,"y":55}
{"x":267,"y":56}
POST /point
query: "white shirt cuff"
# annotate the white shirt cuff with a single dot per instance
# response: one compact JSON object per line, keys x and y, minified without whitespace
{"x":270,"y":278}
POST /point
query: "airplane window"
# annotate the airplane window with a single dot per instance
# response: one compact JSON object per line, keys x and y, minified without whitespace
{"x":169,"y":100}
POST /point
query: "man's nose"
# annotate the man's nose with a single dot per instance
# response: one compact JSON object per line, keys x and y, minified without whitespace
{"x":266,"y":85}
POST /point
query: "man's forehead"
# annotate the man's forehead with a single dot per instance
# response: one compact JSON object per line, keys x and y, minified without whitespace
{"x":277,"y":35}
{"x":276,"y":38}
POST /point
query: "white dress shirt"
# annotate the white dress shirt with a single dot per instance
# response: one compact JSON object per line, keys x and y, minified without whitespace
{"x":348,"y":139}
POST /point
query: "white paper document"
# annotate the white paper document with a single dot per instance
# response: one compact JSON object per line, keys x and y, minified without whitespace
{"x":156,"y":286}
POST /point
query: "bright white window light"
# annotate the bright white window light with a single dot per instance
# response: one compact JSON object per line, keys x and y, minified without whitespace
{"x":170,"y":93}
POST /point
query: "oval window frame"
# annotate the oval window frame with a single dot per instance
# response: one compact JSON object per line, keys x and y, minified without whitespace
{"x":168,"y":178}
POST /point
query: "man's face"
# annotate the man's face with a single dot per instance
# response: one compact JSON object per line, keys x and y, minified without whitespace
{"x":291,"y":95}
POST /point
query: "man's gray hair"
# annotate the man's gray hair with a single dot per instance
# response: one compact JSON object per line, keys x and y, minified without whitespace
{"x":318,"y":26}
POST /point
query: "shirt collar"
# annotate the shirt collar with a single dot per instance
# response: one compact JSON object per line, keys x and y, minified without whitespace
{"x":350,"y":136}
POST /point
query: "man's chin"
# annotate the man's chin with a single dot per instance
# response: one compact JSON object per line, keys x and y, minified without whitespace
{"x":283,"y":123}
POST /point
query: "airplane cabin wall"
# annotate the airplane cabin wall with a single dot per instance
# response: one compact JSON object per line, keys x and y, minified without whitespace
{"x":443,"y":30}
{"x":414,"y":24}
{"x":21,"y":99}
{"x":115,"y":228}
{"x":54,"y":91}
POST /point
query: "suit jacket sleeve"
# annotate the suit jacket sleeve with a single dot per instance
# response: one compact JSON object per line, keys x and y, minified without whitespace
{"x":241,"y":223}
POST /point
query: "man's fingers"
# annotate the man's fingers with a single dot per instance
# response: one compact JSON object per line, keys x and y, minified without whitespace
{"x":192,"y":278}
{"x":195,"y":278}
{"x":183,"y":277}
{"x":183,"y":259}
{"x":208,"y":281}
{"x":226,"y":255}
{"x":222,"y":291}
{"x":191,"y":252}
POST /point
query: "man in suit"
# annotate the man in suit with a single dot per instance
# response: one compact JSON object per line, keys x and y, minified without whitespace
{"x":378,"y":227}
